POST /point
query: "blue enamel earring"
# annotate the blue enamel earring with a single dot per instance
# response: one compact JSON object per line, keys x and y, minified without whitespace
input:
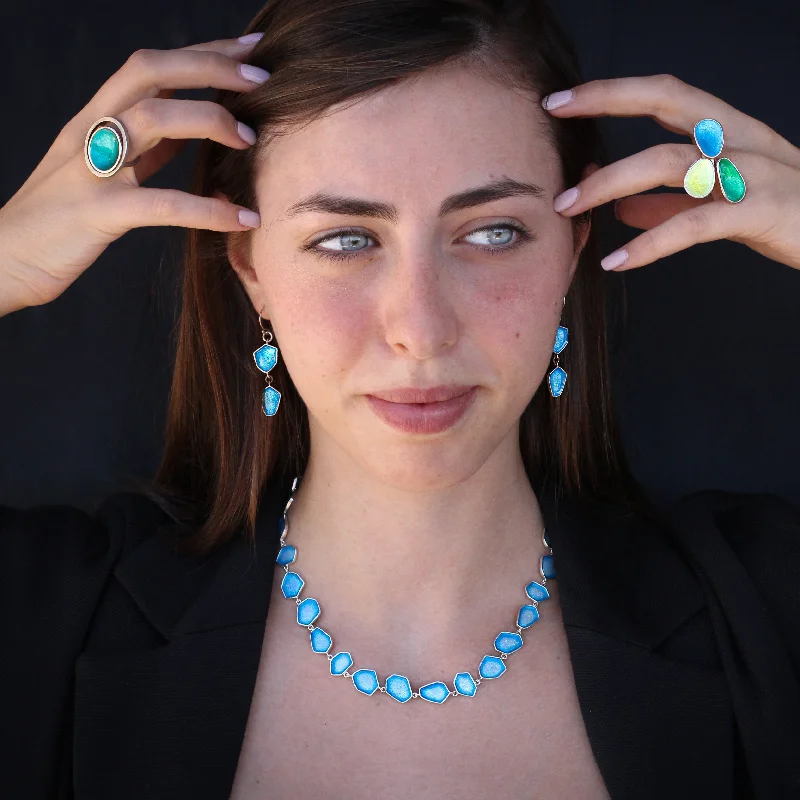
{"x":557,"y":377}
{"x":266,"y":358}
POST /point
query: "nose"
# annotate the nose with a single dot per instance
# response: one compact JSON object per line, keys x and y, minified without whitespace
{"x":420,"y":319}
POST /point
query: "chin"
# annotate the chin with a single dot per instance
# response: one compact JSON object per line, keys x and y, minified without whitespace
{"x":426,"y":466}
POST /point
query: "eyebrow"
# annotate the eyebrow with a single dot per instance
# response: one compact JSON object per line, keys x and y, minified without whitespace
{"x":325,"y":203}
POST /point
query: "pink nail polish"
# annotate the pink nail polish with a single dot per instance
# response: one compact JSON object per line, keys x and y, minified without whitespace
{"x":615,"y":259}
{"x":250,"y":38}
{"x":566,"y":199}
{"x":557,"y":99}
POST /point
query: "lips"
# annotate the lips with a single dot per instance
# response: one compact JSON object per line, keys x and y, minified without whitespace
{"x":433,"y":416}
{"x":414,"y":394}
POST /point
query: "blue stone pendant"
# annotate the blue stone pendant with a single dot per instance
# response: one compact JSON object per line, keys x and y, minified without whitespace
{"x":270,"y":401}
{"x":562,"y":337}
{"x":266,"y":357}
{"x":709,"y":137}
{"x":558,"y":378}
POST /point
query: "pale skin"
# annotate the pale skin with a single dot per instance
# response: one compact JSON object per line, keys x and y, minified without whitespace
{"x":407,"y":536}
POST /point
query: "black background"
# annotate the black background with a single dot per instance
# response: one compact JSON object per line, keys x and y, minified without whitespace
{"x":705,"y":371}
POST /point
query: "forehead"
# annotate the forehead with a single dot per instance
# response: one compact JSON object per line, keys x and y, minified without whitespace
{"x":426,"y":137}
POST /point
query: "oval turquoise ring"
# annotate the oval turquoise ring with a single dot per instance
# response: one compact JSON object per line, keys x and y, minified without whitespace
{"x":106,"y":146}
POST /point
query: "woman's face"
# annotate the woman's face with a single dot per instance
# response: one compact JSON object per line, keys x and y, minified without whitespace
{"x":425,"y":293}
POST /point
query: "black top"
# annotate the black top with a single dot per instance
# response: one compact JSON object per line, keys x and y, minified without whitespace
{"x":127,"y":671}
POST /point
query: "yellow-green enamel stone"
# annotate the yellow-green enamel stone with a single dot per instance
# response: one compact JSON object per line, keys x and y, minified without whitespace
{"x":699,"y":178}
{"x":731,"y":180}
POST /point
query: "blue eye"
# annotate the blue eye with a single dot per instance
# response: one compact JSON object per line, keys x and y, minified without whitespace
{"x":348,"y":238}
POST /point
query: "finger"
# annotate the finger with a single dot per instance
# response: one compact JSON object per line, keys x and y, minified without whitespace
{"x":147,"y":72}
{"x":661,"y":165}
{"x":645,"y":211}
{"x":705,"y":223}
{"x":229,"y":47}
{"x":154,"y":119}
{"x":141,"y":206}
{"x":674,"y":104}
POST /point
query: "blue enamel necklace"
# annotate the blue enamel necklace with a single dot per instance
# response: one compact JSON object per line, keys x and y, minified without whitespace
{"x":398,"y":686}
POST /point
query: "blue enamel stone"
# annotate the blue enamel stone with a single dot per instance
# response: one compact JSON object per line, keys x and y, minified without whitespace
{"x":291,"y":584}
{"x":508,"y":642}
{"x":270,"y":401}
{"x":464,"y":684}
{"x":366,"y":681}
{"x":104,"y":149}
{"x":320,"y":641}
{"x":434,"y":692}
{"x":547,"y":568}
{"x":266,"y":357}
{"x":307,"y":611}
{"x":492,"y":667}
{"x":709,"y":137}
{"x":561,"y":339}
{"x":397,"y":686}
{"x":340,"y":663}
{"x":545,"y":539}
{"x":286,"y":555}
{"x":536,"y":591}
{"x":558,"y":379}
{"x":527,"y":616}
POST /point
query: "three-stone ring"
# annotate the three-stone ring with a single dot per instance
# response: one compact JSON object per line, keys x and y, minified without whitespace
{"x":700,"y":177}
{"x":106,"y":146}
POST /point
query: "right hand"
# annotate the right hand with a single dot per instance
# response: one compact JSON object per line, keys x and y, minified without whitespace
{"x":63,"y":217}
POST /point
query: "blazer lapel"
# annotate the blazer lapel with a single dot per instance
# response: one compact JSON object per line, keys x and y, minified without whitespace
{"x":652,"y":721}
{"x":168,"y":721}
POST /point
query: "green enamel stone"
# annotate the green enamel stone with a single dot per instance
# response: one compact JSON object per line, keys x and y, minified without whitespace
{"x":104,"y":149}
{"x":731,"y":180}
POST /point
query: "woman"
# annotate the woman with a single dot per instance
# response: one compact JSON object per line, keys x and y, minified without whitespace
{"x":423,"y":176}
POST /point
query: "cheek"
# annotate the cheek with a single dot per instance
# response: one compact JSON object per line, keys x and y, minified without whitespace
{"x":321,"y":325}
{"x":520,"y":309}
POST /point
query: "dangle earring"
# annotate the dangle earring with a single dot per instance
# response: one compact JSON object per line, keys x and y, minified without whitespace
{"x":557,"y":377}
{"x":266,"y":358}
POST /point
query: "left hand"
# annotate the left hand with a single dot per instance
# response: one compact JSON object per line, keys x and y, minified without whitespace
{"x":766,"y":220}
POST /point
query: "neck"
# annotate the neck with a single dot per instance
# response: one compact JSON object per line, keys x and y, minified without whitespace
{"x":409,"y":572}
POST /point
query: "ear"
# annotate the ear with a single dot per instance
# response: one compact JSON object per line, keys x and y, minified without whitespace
{"x":583,"y":225}
{"x":239,"y":248}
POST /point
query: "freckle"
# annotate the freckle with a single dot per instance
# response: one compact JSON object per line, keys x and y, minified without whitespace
{"x":517,"y":334}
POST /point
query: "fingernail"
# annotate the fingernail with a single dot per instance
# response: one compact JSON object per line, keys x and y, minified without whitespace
{"x":254,"y":74}
{"x":557,"y":99}
{"x":566,"y":199}
{"x":249,"y":218}
{"x":615,"y":259}
{"x":250,"y":38}
{"x":246,"y":132}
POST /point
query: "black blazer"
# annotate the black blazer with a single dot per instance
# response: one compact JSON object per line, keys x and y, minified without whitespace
{"x":127,"y":672}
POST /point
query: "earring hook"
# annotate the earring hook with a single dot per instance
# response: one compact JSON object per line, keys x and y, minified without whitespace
{"x":264,"y":331}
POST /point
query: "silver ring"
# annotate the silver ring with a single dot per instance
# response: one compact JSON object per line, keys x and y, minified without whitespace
{"x":106,"y":146}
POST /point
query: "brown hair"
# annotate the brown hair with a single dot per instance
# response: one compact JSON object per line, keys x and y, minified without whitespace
{"x":220,"y":449}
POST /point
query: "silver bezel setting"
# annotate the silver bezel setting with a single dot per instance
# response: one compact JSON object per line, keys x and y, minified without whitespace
{"x":116,"y":127}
